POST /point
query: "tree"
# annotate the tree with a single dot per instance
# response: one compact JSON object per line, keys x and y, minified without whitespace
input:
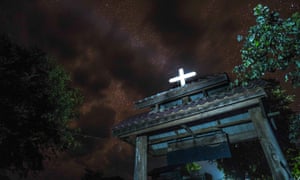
{"x":190,"y":169}
{"x":273,"y":44}
{"x":37,"y":103}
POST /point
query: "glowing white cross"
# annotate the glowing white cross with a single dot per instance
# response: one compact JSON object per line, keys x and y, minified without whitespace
{"x":182,"y":77}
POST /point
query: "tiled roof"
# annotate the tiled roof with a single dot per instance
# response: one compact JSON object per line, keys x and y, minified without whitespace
{"x":150,"y":119}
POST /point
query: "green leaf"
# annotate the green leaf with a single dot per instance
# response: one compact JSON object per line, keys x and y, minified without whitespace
{"x":286,"y":77}
{"x":260,"y":19}
{"x":276,"y":14}
{"x":297,"y":63}
{"x":257,"y":10}
{"x":236,"y":81}
{"x":251,"y":37}
{"x":239,"y":38}
{"x":290,"y":23}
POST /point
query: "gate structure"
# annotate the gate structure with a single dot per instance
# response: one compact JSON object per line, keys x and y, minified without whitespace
{"x":197,"y":121}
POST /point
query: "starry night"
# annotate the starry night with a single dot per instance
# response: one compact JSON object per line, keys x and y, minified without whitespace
{"x":149,"y":89}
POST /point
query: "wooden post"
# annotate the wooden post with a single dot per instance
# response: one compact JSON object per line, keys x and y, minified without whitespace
{"x":270,"y":146}
{"x":140,"y":166}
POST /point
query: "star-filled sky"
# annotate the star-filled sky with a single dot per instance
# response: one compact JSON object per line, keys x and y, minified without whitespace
{"x":119,"y":51}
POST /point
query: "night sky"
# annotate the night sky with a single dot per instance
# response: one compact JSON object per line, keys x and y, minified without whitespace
{"x":119,"y":51}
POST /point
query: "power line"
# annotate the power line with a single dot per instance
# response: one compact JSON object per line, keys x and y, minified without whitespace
{"x":88,"y":136}
{"x":79,"y":134}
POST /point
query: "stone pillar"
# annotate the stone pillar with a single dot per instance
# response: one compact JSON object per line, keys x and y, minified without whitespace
{"x":140,"y":166}
{"x":270,"y":146}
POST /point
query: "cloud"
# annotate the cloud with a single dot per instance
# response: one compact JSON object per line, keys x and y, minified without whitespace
{"x":176,"y":30}
{"x":90,"y":83}
{"x":73,"y":32}
{"x":98,"y":122}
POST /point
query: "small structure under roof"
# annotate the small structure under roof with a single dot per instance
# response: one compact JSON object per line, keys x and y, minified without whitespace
{"x":197,"y":121}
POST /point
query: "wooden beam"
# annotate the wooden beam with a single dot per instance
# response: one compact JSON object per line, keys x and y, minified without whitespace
{"x":235,"y":138}
{"x":140,"y":166}
{"x":200,"y":131}
{"x":197,"y":116}
{"x":270,"y":146}
{"x":201,"y":141}
{"x":244,"y":136}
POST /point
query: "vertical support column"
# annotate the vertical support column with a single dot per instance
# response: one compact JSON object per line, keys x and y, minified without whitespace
{"x":140,"y":166}
{"x":270,"y":146}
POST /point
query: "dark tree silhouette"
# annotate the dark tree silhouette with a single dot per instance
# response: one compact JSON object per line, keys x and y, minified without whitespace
{"x":37,"y":103}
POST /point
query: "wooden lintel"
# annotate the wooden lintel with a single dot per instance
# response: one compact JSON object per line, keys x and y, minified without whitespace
{"x":201,"y":141}
{"x":200,"y":131}
{"x":197,"y":116}
{"x":235,"y":138}
{"x":241,"y":137}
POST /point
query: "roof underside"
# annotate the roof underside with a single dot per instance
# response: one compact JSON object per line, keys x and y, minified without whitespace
{"x":230,"y":129}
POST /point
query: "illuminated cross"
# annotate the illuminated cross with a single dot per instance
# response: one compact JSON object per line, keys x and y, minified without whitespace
{"x":182,"y":77}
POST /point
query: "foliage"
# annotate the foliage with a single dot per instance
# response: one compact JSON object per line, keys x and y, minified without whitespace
{"x":294,"y":153}
{"x":192,"y":167}
{"x":288,"y":121}
{"x":282,"y":98}
{"x":294,"y":157}
{"x":294,"y":128}
{"x":272,"y":44}
{"x":37,"y":104}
